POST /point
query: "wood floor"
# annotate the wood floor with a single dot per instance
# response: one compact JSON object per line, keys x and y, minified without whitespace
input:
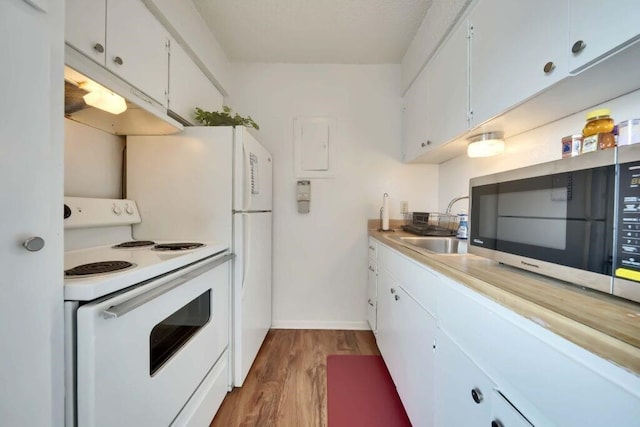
{"x":287,"y":384}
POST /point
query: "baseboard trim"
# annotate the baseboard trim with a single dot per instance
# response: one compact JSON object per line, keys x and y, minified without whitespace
{"x":306,"y":324}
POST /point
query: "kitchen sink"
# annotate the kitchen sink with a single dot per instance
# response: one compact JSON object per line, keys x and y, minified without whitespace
{"x":439,"y":245}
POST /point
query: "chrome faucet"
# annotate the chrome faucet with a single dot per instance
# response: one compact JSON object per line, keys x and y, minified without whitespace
{"x":455,"y":199}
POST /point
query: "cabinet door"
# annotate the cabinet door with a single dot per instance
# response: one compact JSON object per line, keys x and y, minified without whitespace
{"x":414,"y":119}
{"x":85,"y":27}
{"x":137,"y":47}
{"x":602,"y":26}
{"x":511,"y":43}
{"x":387,"y":325}
{"x":464,"y":391}
{"x":448,"y":89}
{"x":372,"y":295}
{"x":189,"y":87}
{"x":416,"y":371}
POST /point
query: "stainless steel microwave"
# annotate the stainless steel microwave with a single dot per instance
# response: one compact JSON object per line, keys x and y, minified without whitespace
{"x":575,"y":219}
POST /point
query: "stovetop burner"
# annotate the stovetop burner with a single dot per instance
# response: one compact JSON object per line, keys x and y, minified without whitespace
{"x":135,"y":244}
{"x":177,"y":246}
{"x":98,"y":268}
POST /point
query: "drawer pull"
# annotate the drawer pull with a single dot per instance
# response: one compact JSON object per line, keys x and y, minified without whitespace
{"x":578,"y":46}
{"x":477,"y":395}
{"x":549,"y":67}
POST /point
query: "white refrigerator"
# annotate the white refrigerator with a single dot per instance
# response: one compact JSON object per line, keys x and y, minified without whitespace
{"x":252,"y":228}
{"x":212,"y":184}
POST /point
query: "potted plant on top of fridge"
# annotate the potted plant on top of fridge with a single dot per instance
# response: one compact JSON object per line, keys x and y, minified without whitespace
{"x":224,"y":118}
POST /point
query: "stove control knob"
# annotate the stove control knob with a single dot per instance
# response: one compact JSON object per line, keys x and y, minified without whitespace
{"x":128,"y":209}
{"x":116,"y":209}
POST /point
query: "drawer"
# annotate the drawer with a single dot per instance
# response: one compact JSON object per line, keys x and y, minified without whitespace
{"x":373,"y":249}
{"x":416,"y":279}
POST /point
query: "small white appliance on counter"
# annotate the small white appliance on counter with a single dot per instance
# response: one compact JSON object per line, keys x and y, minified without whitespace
{"x":146,"y":322}
{"x":214,"y":183}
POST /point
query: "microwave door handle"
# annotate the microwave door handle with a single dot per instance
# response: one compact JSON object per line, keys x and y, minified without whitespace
{"x":129,"y":305}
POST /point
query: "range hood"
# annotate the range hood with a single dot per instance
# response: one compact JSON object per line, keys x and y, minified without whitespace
{"x":143,"y":115}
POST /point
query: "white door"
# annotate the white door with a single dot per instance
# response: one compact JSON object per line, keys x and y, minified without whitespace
{"x":252,"y":288}
{"x":31,"y":151}
{"x":252,"y":175}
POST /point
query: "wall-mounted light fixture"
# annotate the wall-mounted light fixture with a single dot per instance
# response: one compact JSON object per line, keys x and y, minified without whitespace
{"x":485,"y":144}
{"x":102,"y":98}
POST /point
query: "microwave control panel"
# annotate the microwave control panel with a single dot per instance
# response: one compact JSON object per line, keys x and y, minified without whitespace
{"x":628,"y":246}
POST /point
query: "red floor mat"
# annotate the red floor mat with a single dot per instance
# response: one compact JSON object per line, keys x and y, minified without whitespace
{"x":360,"y":392}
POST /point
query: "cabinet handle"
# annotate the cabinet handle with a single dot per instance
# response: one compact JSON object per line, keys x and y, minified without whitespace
{"x":397,"y":297}
{"x":549,"y":67}
{"x":371,"y":269}
{"x":370,"y":303}
{"x":393,"y":291}
{"x":477,"y":395}
{"x":578,"y":46}
{"x":424,"y":144}
{"x":372,"y":248}
{"x":118,"y":60}
{"x":496,"y":423}
{"x":98,"y":48}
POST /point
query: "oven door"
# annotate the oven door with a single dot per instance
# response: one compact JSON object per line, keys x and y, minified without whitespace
{"x":143,"y":353}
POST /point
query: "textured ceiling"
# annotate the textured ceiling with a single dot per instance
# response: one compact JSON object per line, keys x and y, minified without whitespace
{"x":314,"y":31}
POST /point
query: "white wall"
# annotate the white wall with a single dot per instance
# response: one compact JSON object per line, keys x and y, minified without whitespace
{"x":319,"y":278}
{"x":92,"y":162}
{"x":536,"y":146}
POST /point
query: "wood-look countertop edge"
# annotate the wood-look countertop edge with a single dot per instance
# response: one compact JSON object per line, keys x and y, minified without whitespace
{"x":610,"y":347}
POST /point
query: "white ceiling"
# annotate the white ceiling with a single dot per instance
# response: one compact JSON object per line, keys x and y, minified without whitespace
{"x":314,"y":31}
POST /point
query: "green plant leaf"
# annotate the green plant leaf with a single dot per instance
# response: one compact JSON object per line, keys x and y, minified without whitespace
{"x":223,"y":118}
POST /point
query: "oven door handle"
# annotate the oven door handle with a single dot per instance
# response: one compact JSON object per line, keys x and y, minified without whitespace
{"x":125,"y":307}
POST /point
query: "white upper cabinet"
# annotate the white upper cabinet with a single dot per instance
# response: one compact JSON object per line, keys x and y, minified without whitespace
{"x":414,"y":119}
{"x":137,"y":47}
{"x":598,"y":28}
{"x":436,"y":105}
{"x":448,"y":86}
{"x":189,"y":87}
{"x":124,"y":37}
{"x":516,"y":51}
{"x":85,"y":27}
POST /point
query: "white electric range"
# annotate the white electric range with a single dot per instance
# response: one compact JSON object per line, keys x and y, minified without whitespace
{"x":146,"y":322}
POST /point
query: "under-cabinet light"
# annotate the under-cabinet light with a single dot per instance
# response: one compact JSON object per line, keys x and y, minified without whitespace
{"x":485,"y":144}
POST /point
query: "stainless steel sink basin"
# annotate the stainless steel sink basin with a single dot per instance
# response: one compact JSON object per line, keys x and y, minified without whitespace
{"x":439,"y":245}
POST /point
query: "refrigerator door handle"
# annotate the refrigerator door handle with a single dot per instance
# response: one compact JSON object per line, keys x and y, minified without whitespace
{"x":248,"y":173}
{"x":246,"y":250}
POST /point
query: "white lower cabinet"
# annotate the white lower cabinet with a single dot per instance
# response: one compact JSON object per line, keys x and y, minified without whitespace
{"x":466,"y":396}
{"x":372,"y":287}
{"x":464,"y":391}
{"x":406,"y":335}
{"x":490,"y":366}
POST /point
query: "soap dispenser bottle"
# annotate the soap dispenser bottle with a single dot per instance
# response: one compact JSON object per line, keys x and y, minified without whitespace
{"x":463,"y":225}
